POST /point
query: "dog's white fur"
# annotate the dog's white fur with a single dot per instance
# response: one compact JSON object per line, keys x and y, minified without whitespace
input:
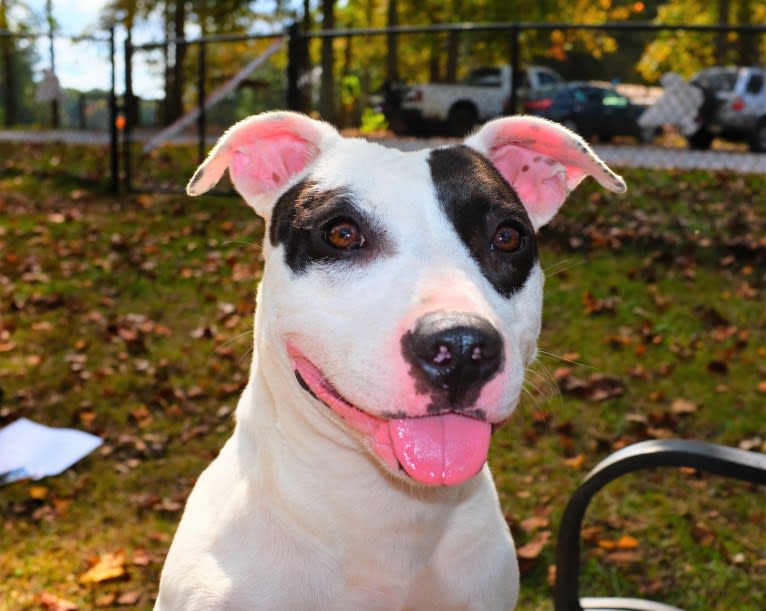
{"x":298,"y":511}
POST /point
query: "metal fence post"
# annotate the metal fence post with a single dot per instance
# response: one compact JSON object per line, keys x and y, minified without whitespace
{"x":127,"y":135}
{"x":201,"y":95}
{"x":114,"y":153}
{"x":515,"y":70}
{"x":293,"y":67}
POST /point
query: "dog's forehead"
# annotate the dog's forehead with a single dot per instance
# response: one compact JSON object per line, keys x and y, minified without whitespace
{"x":380,"y":177}
{"x":456,"y":180}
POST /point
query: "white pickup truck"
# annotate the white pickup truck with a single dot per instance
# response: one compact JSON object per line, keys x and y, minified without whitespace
{"x":483,"y":95}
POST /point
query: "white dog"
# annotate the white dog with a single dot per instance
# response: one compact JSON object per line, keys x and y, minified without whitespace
{"x":399,"y":307}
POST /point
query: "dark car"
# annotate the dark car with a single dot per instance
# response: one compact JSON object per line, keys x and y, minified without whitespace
{"x":590,"y":111}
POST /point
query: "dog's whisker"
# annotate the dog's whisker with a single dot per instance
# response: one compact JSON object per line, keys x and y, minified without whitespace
{"x":558,"y":357}
{"x":233,"y":339}
{"x":247,"y":353}
{"x":548,"y":379}
{"x":535,"y":392}
{"x":253,"y":245}
{"x":559,"y":267}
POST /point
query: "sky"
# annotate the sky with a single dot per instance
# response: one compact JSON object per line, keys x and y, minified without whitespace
{"x":85,"y":65}
{"x":79,"y":66}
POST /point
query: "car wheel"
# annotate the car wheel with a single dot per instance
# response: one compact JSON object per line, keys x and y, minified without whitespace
{"x":398,"y":125}
{"x":646,"y":135}
{"x":461,"y":119}
{"x":757,"y":142}
{"x":570,"y":124}
{"x":700,"y":140}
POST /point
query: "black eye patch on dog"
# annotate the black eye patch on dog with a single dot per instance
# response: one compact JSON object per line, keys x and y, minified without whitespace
{"x":304,"y":218}
{"x":481,"y":205}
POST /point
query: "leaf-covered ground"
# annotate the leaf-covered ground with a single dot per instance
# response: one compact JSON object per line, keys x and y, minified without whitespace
{"x":130,"y":318}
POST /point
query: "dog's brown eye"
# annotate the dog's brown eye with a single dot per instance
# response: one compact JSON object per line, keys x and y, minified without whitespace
{"x":344,"y":235}
{"x":506,"y":239}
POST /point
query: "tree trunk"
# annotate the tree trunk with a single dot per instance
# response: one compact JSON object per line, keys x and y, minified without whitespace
{"x":174,"y":106}
{"x":747,"y":49}
{"x":392,"y":57}
{"x":55,"y":114}
{"x":327,"y":86}
{"x":9,"y":75}
{"x":721,"y":45}
{"x":304,"y":78}
{"x":167,"y":72}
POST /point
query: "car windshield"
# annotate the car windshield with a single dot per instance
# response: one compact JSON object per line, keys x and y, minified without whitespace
{"x":717,"y":79}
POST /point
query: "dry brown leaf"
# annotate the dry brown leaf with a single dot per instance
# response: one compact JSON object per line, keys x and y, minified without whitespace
{"x":128,"y":599}
{"x":532,"y":549}
{"x":106,"y":600}
{"x":50,"y":602}
{"x":534,"y":523}
{"x":624,"y":557}
{"x":576,"y":462}
{"x":683,"y":407}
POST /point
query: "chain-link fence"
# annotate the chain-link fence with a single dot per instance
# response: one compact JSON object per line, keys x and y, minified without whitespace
{"x":410,"y":84}
{"x":33,"y":98}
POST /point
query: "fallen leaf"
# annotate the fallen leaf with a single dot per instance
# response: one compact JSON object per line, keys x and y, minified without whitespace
{"x":576,"y":462}
{"x":627,"y":542}
{"x":128,"y":599}
{"x":718,"y":368}
{"x":753,"y":443}
{"x":49,"y":602}
{"x":141,"y":557}
{"x":703,"y":534}
{"x":107,"y":566}
{"x":683,"y":407}
{"x":530,"y":552}
{"x":106,"y":600}
{"x":534,"y":523}
{"x":624,"y":557}
{"x":39,"y":493}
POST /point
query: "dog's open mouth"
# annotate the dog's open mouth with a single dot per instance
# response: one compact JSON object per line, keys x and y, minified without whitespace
{"x":446,"y":450}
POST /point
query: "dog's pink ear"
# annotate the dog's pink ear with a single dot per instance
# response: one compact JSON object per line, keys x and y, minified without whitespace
{"x":264,"y":154}
{"x":542,"y":160}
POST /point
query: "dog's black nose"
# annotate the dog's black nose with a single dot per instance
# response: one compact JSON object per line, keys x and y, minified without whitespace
{"x":455,"y":353}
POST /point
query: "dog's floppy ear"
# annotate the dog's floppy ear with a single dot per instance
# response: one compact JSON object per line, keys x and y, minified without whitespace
{"x":265,"y":153}
{"x":542,"y":160}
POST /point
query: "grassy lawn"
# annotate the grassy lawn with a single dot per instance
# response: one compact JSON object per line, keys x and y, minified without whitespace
{"x":131,"y":318}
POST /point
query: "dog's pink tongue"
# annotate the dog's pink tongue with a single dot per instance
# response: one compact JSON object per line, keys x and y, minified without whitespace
{"x":441,"y":450}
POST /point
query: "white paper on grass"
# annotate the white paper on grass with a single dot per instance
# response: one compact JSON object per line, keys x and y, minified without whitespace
{"x":31,"y":450}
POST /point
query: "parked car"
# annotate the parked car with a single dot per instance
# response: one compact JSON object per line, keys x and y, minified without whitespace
{"x":733,"y":107}
{"x":480,"y":97}
{"x":590,"y":111}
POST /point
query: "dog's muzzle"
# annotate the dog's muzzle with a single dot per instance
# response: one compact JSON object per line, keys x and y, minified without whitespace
{"x":452,"y":357}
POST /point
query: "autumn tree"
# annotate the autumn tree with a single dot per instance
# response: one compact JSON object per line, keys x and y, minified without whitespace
{"x":16,"y":63}
{"x":210,"y":16}
{"x":688,"y":52}
{"x":327,"y":84}
{"x":8,"y":75}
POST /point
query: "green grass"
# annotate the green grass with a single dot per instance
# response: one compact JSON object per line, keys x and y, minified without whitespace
{"x":131,"y":318}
